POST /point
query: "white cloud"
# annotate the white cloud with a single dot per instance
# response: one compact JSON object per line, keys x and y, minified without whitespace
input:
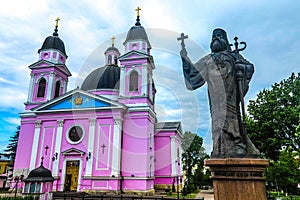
{"x":12,"y":120}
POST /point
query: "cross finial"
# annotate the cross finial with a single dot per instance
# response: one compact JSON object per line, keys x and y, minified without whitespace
{"x":138,"y":11}
{"x":56,"y":26}
{"x":57,"y":19}
{"x":42,"y":161}
{"x":113,"y":41}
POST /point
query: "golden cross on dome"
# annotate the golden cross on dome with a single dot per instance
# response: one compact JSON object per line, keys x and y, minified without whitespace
{"x":57,"y":19}
{"x":113,"y":41}
{"x":138,"y":11}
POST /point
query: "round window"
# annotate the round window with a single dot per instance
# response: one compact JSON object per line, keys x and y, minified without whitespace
{"x":75,"y":134}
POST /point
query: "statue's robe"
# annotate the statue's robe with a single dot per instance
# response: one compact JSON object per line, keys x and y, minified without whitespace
{"x":218,"y":70}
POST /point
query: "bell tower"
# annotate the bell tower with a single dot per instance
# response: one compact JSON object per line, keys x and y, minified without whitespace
{"x":49,"y":75}
{"x":137,"y":66}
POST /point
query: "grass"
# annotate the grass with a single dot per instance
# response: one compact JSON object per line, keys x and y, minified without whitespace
{"x":188,"y":196}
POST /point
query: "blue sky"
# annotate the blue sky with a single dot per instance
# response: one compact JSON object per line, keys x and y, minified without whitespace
{"x":270,"y":28}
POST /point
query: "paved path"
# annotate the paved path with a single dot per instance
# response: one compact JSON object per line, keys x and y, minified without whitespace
{"x":207,"y":194}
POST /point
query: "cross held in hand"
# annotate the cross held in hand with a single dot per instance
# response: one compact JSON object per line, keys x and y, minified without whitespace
{"x":182,"y":38}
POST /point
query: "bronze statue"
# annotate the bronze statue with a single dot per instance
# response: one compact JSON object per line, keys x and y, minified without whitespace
{"x":227,"y":75}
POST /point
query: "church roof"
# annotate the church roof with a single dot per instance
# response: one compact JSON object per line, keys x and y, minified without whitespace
{"x":163,"y":126}
{"x":137,"y":32}
{"x":40,"y":174}
{"x":54,"y":42}
{"x":106,"y":77}
{"x":112,"y":48}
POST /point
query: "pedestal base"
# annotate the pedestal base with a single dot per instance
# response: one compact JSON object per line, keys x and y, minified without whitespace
{"x":238,"y":178}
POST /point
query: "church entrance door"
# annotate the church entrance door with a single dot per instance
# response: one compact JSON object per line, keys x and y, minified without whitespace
{"x":71,"y":179}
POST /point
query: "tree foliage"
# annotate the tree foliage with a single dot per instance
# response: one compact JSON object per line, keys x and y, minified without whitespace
{"x":274,"y":117}
{"x":284,"y":175}
{"x":11,"y":148}
{"x":193,"y":159}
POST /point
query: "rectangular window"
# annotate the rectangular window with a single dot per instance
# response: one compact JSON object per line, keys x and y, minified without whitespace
{"x":26,"y":190}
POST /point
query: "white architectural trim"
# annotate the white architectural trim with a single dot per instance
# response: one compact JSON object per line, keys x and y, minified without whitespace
{"x":116,"y":148}
{"x":50,"y":86}
{"x":173,"y":155}
{"x":91,"y":143}
{"x":122,"y":81}
{"x":31,"y":88}
{"x":144,"y":81}
{"x":35,"y":144}
{"x":58,"y":139}
{"x":65,"y":86}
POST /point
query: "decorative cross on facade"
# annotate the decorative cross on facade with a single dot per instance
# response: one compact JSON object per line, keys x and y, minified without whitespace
{"x":113,"y":41}
{"x":46,"y":149}
{"x":182,"y":38}
{"x":103,"y":146}
{"x":138,"y":11}
{"x":57,"y":19}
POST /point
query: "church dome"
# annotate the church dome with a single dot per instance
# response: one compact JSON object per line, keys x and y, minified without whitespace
{"x":112,"y":48}
{"x":40,"y":174}
{"x":106,"y":77}
{"x":54,"y":42}
{"x":137,"y":32}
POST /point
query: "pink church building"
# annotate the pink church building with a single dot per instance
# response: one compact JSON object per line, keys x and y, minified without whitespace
{"x":103,"y":136}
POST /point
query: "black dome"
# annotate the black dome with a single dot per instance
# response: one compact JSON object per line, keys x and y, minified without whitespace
{"x":137,"y":32}
{"x":112,"y":49}
{"x":106,"y":77}
{"x":40,"y":174}
{"x":53,"y":42}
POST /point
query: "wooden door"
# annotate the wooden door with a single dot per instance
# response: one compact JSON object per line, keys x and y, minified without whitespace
{"x":71,"y":179}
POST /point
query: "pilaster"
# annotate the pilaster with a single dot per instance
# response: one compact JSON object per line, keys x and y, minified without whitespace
{"x":90,"y":154}
{"x":56,"y":157}
{"x":35,"y":144}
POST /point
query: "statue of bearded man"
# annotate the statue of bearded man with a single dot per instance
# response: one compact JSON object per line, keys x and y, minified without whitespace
{"x":219,"y":70}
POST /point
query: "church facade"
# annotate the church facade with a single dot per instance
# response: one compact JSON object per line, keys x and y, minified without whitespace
{"x":103,"y":136}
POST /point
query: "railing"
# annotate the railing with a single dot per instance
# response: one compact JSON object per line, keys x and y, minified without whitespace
{"x":86,"y":196}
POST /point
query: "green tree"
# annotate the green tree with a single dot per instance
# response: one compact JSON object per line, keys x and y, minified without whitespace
{"x":284,"y":175}
{"x":11,"y":148}
{"x":193,"y":159}
{"x":274,"y":116}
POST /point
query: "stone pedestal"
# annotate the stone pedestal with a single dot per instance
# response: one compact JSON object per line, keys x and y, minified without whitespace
{"x":238,"y":178}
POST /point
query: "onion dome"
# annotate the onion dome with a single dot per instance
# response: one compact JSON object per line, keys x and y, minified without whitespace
{"x":137,"y":32}
{"x":112,"y":54}
{"x":54,"y":42}
{"x":106,"y":77}
{"x":40,"y":174}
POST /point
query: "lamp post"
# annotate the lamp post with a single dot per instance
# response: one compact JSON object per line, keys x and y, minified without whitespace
{"x":17,"y":179}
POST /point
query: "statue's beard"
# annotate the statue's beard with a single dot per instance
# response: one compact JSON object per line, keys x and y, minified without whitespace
{"x":218,"y":45}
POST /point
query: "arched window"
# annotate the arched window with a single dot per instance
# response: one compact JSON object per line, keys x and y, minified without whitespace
{"x":41,"y":88}
{"x":133,"y":81}
{"x":116,"y":60}
{"x":109,"y":60}
{"x":57,"y":89}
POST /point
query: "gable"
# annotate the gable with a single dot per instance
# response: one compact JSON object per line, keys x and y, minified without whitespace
{"x":78,"y":99}
{"x":134,"y":55}
{"x":44,"y":63}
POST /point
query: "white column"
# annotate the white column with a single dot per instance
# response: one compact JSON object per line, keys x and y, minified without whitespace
{"x":122,"y":81}
{"x":31,"y":88}
{"x":173,"y":155}
{"x":116,"y":157}
{"x":60,"y":124}
{"x":144,"y":79}
{"x":50,"y":86}
{"x":35,"y":144}
{"x":89,"y":163}
{"x":65,"y":86}
{"x":150,"y":88}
